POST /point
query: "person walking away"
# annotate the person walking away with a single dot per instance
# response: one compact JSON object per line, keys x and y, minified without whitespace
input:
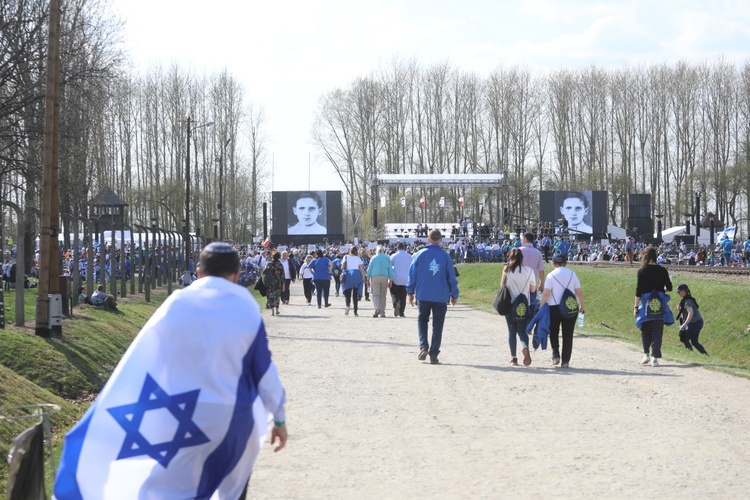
{"x":337,"y":273}
{"x":306,"y":273}
{"x":630,"y":248}
{"x":187,"y":408}
{"x":559,"y":280}
{"x":400,"y":261}
{"x":547,"y":247}
{"x":380,"y":273}
{"x":726,"y":251}
{"x":652,"y":279}
{"x":433,"y":281}
{"x":690,"y":318}
{"x":354,"y":270}
{"x":273,"y":278}
{"x":520,"y":280}
{"x":365,"y":287}
{"x":322,"y":268}
{"x":290,"y":275}
{"x":533,"y":258}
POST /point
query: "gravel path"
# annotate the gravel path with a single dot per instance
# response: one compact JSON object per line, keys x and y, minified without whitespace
{"x":367,"y":419}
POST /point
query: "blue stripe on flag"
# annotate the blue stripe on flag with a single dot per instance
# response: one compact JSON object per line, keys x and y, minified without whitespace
{"x":262,"y":356}
{"x":226,"y":456}
{"x":66,"y":484}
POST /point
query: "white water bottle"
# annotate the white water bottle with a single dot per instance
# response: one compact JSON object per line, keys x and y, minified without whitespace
{"x":580,"y":319}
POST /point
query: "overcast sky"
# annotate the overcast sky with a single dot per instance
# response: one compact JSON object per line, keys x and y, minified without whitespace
{"x":289,"y":53}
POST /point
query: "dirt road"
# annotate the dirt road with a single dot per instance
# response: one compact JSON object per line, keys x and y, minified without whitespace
{"x":366,"y":419}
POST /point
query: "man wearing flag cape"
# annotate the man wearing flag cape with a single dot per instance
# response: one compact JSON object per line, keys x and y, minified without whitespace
{"x":187,"y":408}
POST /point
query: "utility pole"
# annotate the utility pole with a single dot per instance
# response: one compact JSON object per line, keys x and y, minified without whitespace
{"x":49,"y":265}
{"x":222,"y":157}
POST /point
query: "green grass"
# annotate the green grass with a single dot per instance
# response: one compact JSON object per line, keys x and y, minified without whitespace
{"x":67,"y":371}
{"x":609,"y":296}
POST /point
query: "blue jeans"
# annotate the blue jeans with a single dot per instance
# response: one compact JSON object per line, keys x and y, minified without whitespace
{"x":516,"y":328}
{"x":438,"y":310}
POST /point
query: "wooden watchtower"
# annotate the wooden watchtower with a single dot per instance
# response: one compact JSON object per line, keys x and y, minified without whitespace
{"x":109,"y":209}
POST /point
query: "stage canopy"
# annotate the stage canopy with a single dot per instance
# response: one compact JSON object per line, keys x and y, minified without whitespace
{"x":449,"y":180}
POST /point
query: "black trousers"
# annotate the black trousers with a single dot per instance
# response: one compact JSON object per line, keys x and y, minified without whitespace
{"x":351,"y":295}
{"x":398,"y":295}
{"x":285,"y":292}
{"x":568,"y":325}
{"x":307,"y":287}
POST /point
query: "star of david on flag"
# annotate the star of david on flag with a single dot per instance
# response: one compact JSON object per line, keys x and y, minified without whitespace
{"x":131,"y":416}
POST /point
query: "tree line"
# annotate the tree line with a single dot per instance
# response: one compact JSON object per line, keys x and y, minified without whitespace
{"x":671,"y":130}
{"x":124,"y":129}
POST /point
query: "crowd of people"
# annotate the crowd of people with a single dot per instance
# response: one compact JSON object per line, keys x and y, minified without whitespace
{"x":381,"y":274}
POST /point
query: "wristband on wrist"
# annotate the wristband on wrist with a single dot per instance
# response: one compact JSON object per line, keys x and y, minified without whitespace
{"x":279,"y":423}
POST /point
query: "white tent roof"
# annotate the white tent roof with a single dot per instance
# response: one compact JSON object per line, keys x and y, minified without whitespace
{"x":669,"y":234}
{"x":616,"y":232}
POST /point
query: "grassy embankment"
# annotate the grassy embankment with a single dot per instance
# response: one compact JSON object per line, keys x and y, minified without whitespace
{"x":69,"y":371}
{"x":608,"y":297}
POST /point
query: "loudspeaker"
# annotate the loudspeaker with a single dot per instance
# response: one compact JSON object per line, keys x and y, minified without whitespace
{"x":639,"y":206}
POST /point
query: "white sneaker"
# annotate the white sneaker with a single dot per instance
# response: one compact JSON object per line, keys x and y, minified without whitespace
{"x":346,"y":312}
{"x":646,"y":359}
{"x":654,"y":362}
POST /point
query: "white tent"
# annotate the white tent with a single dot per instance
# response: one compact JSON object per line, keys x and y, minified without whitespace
{"x":669,"y":234}
{"x":616,"y":233}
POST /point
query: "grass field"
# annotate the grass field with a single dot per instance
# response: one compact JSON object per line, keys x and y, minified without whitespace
{"x":609,"y":296}
{"x":71,"y":370}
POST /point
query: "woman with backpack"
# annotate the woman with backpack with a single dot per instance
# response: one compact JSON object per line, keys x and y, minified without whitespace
{"x":520,"y":280}
{"x":653,"y":281}
{"x":562,"y":291}
{"x":691,"y":320}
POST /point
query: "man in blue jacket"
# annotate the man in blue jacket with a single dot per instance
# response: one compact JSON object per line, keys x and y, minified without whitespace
{"x":432,"y":277}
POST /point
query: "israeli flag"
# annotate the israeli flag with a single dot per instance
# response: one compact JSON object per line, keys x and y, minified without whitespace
{"x":726,"y":233}
{"x":442,"y":201}
{"x":186,"y":410}
{"x":403,"y":202}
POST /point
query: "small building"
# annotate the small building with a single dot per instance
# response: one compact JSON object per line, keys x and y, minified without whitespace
{"x":109,"y":209}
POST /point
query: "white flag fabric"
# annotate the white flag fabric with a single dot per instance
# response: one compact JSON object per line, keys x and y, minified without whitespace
{"x":186,"y":410}
{"x":726,"y":233}
{"x":422,"y":201}
{"x":461,"y":201}
{"x":442,"y":201}
{"x":403,"y":202}
{"x":382,"y":201}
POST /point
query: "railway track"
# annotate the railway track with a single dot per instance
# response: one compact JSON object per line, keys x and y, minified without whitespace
{"x":740,"y":272}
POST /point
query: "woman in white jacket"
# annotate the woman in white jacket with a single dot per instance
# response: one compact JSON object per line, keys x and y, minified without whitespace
{"x":306,"y":272}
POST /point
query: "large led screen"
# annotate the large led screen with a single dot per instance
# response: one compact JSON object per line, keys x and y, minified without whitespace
{"x":306,"y":216}
{"x":580,"y":213}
